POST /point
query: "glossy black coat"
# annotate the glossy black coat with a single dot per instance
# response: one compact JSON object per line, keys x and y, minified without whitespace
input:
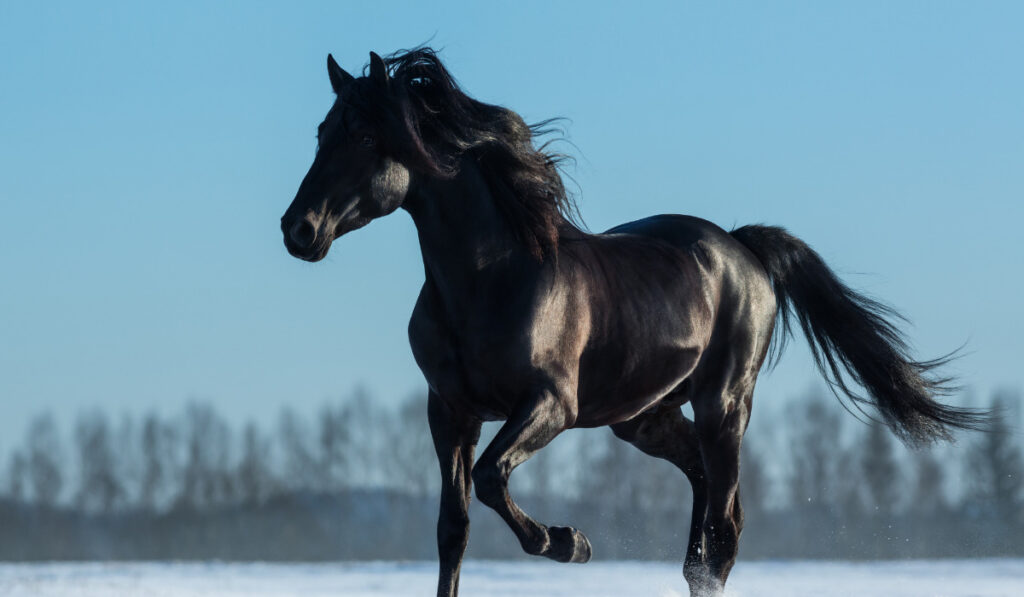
{"x":524,"y":318}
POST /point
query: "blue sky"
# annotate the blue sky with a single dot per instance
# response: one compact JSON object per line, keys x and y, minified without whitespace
{"x":149,"y":149}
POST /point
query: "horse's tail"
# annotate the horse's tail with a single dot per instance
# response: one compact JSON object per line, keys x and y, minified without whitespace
{"x":852,"y":333}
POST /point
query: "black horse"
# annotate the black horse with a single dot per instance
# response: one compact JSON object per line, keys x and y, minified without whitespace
{"x":525,"y":318}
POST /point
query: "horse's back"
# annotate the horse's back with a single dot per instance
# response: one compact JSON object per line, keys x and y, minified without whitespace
{"x":685,"y":232}
{"x":697,"y":235}
{"x":746,"y":305}
{"x":675,"y":228}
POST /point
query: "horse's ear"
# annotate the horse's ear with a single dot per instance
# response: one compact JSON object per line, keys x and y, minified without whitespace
{"x":378,"y":70}
{"x":339,"y":78}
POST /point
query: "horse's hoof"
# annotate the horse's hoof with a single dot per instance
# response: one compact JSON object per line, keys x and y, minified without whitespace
{"x":703,"y":584}
{"x":568,"y":545}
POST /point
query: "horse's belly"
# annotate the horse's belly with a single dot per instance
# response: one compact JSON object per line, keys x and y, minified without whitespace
{"x":620,"y":389}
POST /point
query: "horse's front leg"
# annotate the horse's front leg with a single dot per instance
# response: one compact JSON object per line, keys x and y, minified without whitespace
{"x":455,"y":438}
{"x":531,"y":427}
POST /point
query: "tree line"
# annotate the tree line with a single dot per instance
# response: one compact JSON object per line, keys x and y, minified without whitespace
{"x":358,"y":480}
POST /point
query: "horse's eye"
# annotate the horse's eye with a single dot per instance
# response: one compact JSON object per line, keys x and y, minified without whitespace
{"x":367,"y":141}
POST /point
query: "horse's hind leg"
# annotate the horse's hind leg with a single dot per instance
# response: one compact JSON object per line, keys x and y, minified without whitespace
{"x":720,"y":423}
{"x":529,"y":429}
{"x":666,"y":433}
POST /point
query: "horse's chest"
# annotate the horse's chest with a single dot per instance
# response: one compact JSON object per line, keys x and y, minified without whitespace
{"x":463,"y":369}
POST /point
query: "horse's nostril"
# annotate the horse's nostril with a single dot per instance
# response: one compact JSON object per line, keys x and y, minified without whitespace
{"x":303,"y":234}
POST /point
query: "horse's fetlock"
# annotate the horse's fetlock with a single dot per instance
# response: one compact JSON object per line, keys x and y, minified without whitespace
{"x":536,"y":546}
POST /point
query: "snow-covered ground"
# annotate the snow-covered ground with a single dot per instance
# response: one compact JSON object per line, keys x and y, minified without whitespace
{"x":507,"y":579}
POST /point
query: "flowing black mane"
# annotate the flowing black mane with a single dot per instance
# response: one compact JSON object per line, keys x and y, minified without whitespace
{"x":440,"y":125}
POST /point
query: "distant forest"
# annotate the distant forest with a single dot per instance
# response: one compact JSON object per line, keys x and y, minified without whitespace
{"x":357,"y":480}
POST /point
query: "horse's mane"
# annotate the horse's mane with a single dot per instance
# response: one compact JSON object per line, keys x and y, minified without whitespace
{"x":442,"y":125}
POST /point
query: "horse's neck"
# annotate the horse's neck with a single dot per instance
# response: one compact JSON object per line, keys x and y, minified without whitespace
{"x":461,"y":232}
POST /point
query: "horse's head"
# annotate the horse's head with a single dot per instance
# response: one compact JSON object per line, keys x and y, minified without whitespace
{"x":408,"y":123}
{"x":355,"y":176}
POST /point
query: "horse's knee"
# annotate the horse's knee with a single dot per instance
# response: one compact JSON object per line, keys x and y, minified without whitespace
{"x":489,"y":484}
{"x":453,"y":532}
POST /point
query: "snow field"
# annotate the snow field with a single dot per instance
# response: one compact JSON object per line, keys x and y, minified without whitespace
{"x":952,"y":578}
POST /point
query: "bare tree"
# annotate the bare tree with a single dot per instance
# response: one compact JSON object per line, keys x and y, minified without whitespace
{"x":929,"y":496}
{"x":129,"y":459}
{"x":99,"y":487}
{"x":157,"y":463}
{"x":334,"y":449}
{"x":614,"y":489}
{"x":996,"y":465}
{"x":45,"y":457}
{"x":753,"y":478}
{"x":207,"y":475}
{"x":300,"y":471}
{"x":816,"y":454}
{"x":16,"y":472}
{"x":255,"y":479}
{"x":365,"y":422}
{"x":411,"y":459}
{"x":879,"y":471}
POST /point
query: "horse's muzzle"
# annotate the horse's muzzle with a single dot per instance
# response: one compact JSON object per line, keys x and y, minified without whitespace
{"x":302,"y":241}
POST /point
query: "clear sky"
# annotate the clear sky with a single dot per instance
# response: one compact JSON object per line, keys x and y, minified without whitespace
{"x":148,"y":150}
